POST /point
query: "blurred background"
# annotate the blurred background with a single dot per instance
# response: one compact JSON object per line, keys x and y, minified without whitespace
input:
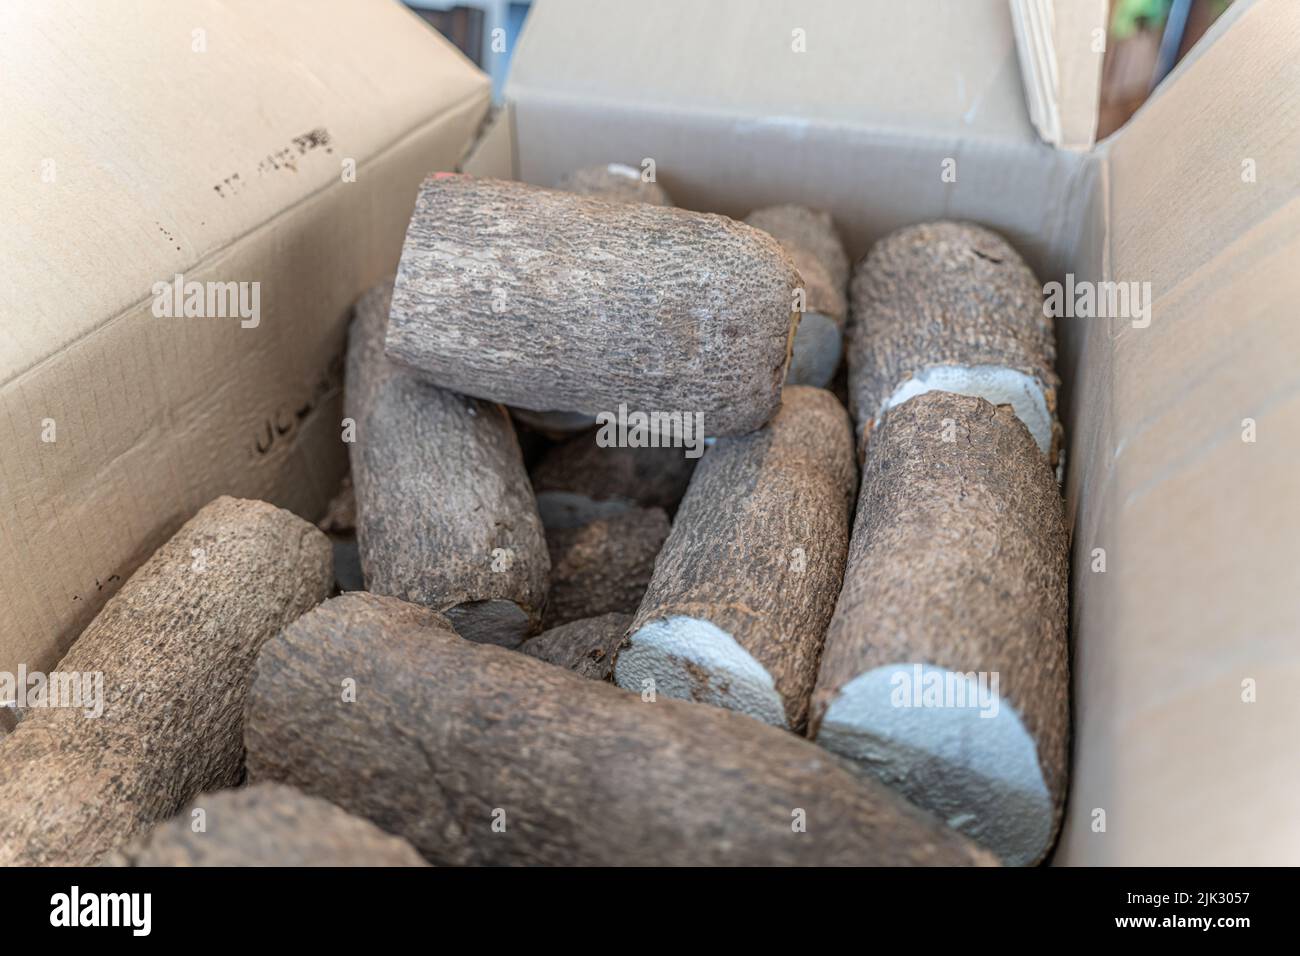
{"x":1147,"y":39}
{"x":484,"y":30}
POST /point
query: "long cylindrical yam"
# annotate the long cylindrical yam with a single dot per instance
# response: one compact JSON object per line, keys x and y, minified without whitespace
{"x":579,"y":480}
{"x":479,"y":755}
{"x":585,"y":647}
{"x":951,"y":307}
{"x":945,"y":670}
{"x":267,"y":824}
{"x":616,"y":182}
{"x":603,"y":566}
{"x":445,"y":513}
{"x":173,"y":650}
{"x":809,"y":237}
{"x":746,"y":582}
{"x":547,"y":300}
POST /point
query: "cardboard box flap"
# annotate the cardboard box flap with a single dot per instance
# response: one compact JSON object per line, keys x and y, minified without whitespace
{"x":1192,"y":487}
{"x":221,"y":114}
{"x":270,"y":148}
{"x":1062,"y":45}
{"x":704,"y":89}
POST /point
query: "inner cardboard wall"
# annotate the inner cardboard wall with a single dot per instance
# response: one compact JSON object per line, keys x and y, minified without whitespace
{"x":150,"y":418}
{"x":1199,"y":523}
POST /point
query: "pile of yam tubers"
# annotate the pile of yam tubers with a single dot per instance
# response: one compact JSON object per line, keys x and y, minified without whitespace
{"x":838,"y":638}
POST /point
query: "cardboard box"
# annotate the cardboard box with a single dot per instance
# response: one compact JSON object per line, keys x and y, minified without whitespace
{"x":860,"y":108}
{"x":215,"y":140}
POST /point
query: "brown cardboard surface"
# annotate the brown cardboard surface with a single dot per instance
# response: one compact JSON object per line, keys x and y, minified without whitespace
{"x":155,"y":416}
{"x":1200,"y":592}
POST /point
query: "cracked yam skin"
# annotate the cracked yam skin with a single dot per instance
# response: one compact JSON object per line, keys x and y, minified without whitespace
{"x":267,"y":824}
{"x":176,"y":647}
{"x":946,"y":294}
{"x":445,"y":514}
{"x":445,"y":732}
{"x":546,"y":300}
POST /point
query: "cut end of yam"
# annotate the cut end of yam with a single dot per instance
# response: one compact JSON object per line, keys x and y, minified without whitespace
{"x":693,"y":659}
{"x":975,"y":765}
{"x":818,"y":345}
{"x":996,"y":384}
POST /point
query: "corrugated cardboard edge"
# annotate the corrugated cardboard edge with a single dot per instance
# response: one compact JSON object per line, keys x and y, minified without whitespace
{"x":493,"y":155}
{"x":75,"y":525}
{"x":1061,"y":47}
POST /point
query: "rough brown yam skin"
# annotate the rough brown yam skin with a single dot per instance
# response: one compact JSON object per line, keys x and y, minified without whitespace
{"x":443,"y":732}
{"x":811,"y":241}
{"x":603,"y":566}
{"x":959,"y":559}
{"x":730,"y":557}
{"x":585,"y":647}
{"x":599,"y":181}
{"x":943,"y":293}
{"x":813,"y":230}
{"x":176,"y":647}
{"x":546,"y":300}
{"x":268,"y":824}
{"x":596,"y":181}
{"x":650,"y":477}
{"x":440,"y":485}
